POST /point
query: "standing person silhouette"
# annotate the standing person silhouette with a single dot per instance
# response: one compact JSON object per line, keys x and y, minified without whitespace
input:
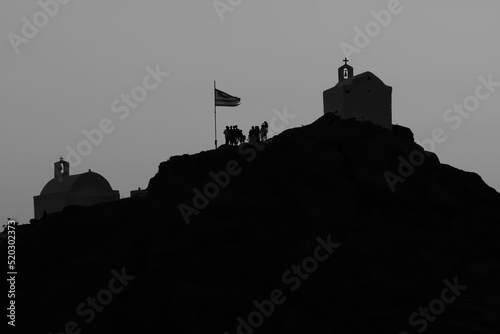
{"x":251,"y":134}
{"x":232,"y":135}
{"x":263,"y":131}
{"x":226,"y":134}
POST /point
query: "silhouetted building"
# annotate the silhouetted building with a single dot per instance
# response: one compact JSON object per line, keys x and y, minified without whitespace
{"x":64,"y":189}
{"x":363,"y":97}
{"x":139,"y":193}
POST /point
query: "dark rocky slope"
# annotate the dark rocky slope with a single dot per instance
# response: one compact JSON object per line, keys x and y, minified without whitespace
{"x":323,"y":180}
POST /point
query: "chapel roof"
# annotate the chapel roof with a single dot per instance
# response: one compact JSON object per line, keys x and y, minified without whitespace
{"x":76,"y":182}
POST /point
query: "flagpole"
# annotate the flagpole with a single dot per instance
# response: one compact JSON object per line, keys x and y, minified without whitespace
{"x":215,"y":117}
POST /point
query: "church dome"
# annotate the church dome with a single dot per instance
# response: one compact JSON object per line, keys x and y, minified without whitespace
{"x":55,"y":186}
{"x":91,"y":180}
{"x":77,"y":183}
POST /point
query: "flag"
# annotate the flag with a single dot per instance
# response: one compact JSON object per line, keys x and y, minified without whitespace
{"x":225,"y":100}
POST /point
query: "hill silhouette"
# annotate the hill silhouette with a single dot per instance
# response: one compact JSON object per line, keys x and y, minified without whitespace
{"x":213,"y":267}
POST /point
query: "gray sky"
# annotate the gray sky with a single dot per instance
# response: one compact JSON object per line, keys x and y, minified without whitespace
{"x":271,"y":54}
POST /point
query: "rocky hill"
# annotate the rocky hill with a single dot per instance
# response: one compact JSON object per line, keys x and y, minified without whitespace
{"x":334,"y":227}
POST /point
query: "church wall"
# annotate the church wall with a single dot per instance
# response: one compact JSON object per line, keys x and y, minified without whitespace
{"x":50,"y":203}
{"x":332,"y":100}
{"x":369,"y":102}
{"x":139,"y":193}
{"x":57,"y":202}
{"x":91,"y":200}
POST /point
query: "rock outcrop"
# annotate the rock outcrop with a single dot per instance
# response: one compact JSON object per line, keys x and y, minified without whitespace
{"x":393,"y":250}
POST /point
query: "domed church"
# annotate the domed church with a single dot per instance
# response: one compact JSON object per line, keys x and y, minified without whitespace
{"x":64,"y":189}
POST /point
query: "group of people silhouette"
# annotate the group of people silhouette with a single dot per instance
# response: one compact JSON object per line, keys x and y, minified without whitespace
{"x":235,"y":136}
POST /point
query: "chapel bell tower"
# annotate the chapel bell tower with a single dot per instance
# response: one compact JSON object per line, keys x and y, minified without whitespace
{"x":61,"y":168}
{"x":345,"y":71}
